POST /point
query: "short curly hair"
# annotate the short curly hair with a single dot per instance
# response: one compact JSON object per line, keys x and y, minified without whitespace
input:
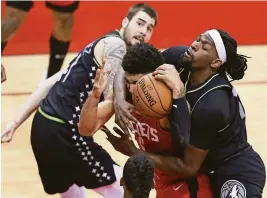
{"x":138,"y":174}
{"x":142,"y":58}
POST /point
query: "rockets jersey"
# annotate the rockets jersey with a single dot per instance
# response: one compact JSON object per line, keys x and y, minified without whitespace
{"x":153,"y":139}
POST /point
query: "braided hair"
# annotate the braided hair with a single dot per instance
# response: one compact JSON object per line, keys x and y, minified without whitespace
{"x":236,"y":64}
{"x":138,"y":174}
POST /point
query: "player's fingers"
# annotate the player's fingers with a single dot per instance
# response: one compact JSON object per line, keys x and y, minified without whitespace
{"x":9,"y":137}
{"x":5,"y":138}
{"x":124,"y":128}
{"x":162,"y":67}
{"x":129,"y":116}
{"x":130,"y":108}
{"x":107,"y":132}
{"x":123,"y":135}
{"x":6,"y":131}
{"x":130,"y":126}
{"x":159,"y":77}
{"x":125,"y":121}
{"x":122,"y":125}
{"x":159,"y":72}
{"x":97,"y":78}
{"x":118,"y":131}
{"x":126,"y":113}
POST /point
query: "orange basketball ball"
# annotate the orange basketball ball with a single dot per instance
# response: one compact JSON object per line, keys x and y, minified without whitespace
{"x":151,"y":97}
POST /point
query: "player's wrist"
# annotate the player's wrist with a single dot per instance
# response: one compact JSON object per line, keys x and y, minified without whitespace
{"x":95,"y":94}
{"x":178,"y":92}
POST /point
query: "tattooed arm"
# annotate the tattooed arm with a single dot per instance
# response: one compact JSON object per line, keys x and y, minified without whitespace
{"x":114,"y":50}
{"x":100,"y":112}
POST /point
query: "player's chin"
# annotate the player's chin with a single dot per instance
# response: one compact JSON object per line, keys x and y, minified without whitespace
{"x":187,"y":58}
{"x":135,"y":41}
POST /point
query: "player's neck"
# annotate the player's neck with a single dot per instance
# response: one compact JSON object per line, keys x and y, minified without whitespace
{"x":200,"y":76}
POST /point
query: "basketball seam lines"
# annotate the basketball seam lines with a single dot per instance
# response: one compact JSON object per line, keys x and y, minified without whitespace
{"x":157,"y":94}
{"x":145,"y":102}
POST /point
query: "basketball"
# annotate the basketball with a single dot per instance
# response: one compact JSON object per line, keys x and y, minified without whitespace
{"x":151,"y":97}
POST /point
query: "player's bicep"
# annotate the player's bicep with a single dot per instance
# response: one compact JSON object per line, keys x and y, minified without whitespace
{"x":114,"y":50}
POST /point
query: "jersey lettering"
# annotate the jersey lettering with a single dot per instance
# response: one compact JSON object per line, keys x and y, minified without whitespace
{"x":88,"y":48}
{"x":146,"y":132}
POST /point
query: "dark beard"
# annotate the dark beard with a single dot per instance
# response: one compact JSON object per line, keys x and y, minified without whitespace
{"x":186,"y":64}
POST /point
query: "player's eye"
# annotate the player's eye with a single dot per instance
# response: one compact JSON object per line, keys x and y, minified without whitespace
{"x":139,"y":23}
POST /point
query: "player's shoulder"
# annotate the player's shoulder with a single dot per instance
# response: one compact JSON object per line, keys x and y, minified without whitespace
{"x":113,"y":40}
{"x":173,"y":55}
{"x":110,"y":45}
{"x":113,"y":44}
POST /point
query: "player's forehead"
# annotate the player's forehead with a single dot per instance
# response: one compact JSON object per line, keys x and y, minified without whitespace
{"x":132,"y":77}
{"x":206,"y":37}
{"x":144,"y":17}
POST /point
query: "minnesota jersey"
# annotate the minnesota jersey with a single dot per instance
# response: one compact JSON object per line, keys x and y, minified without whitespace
{"x":225,"y":141}
{"x":231,"y":138}
{"x":66,"y":98}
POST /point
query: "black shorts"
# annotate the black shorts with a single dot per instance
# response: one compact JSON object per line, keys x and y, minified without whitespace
{"x":55,"y":6}
{"x":65,"y":158}
{"x":241,"y":177}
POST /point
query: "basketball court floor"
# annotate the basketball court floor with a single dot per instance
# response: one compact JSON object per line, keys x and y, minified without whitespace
{"x":20,"y":177}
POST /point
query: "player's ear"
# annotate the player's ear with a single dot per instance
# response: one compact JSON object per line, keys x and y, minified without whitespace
{"x":125,"y":22}
{"x":216,"y":63}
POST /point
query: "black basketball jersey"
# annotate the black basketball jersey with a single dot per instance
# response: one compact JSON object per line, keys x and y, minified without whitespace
{"x":229,"y":139}
{"x":66,"y":98}
{"x":225,"y":138}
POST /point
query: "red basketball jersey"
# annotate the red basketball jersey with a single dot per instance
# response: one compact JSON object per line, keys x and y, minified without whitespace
{"x":151,"y":138}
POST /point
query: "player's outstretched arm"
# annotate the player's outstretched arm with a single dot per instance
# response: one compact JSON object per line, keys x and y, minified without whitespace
{"x":122,"y":108}
{"x":95,"y":114}
{"x":29,"y":107}
{"x":185,"y":167}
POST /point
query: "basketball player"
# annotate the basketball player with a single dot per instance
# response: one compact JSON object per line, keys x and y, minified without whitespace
{"x":138,"y":174}
{"x":218,"y":130}
{"x":62,"y":12}
{"x":152,"y":134}
{"x":66,"y":160}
